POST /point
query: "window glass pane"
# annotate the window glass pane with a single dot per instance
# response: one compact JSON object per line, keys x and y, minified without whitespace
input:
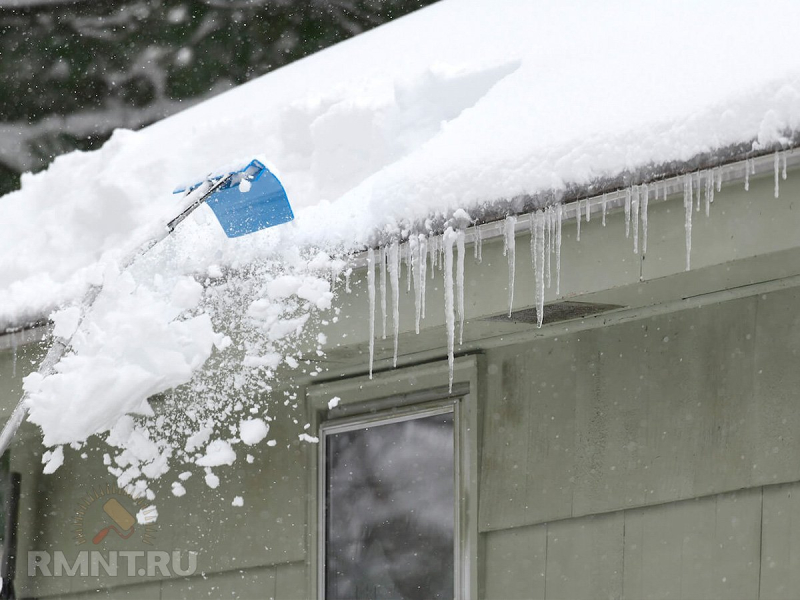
{"x":389,"y":511}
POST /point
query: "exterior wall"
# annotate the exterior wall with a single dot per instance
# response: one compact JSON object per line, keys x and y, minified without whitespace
{"x":651,"y":459}
{"x":656,"y":457}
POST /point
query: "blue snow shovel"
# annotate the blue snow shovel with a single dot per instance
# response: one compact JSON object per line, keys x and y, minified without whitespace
{"x":244,"y":201}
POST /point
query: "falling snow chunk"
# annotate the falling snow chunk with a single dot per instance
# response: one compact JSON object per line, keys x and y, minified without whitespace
{"x":304,"y":437}
{"x":371,"y":294}
{"x":394,"y":279}
{"x":211,"y":480}
{"x":218,"y":452}
{"x":177,"y":489}
{"x":334,"y":402}
{"x":237,"y":501}
{"x":252,"y":431}
{"x":53,"y":459}
{"x":509,"y":250}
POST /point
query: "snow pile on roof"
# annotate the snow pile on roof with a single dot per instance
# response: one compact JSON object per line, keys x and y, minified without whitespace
{"x":461,"y":104}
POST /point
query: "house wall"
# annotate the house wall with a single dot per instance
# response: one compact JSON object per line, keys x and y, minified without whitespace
{"x":652,"y":456}
{"x":652,"y":459}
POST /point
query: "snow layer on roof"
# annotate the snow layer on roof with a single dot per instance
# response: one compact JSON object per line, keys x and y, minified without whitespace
{"x":458,"y":104}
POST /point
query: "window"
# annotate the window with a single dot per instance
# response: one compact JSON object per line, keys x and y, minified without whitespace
{"x":390,"y":507}
{"x":393,"y":508}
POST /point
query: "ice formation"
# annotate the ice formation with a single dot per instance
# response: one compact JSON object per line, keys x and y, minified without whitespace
{"x":509,"y":250}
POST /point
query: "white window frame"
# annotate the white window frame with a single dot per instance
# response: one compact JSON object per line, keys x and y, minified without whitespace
{"x":397,"y":395}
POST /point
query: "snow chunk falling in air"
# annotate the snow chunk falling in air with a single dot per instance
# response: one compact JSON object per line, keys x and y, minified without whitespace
{"x":53,"y":459}
{"x":218,"y":452}
{"x":252,"y":431}
{"x":237,"y":501}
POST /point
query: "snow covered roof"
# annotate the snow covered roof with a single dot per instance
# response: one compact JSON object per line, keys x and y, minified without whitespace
{"x":461,"y":104}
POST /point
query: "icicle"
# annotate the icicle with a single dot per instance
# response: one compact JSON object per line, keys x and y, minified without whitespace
{"x":460,"y":285}
{"x":413,"y":246}
{"x":477,"y":244}
{"x":394,"y":278}
{"x":383,"y":291}
{"x":13,"y":355}
{"x":371,"y":291}
{"x":509,"y":250}
{"x":588,"y":211}
{"x":783,"y":172}
{"x":538,"y":264}
{"x":549,"y":249}
{"x":635,"y":218}
{"x":698,"y":191}
{"x":777,"y":184}
{"x":347,"y":275}
{"x":747,"y":175}
{"x":532,"y":226}
{"x":604,"y":210}
{"x":578,"y":212}
{"x":709,"y":191}
{"x":448,"y":238}
{"x":628,"y":212}
{"x":559,"y":212}
{"x":409,"y":266}
{"x":718,"y":177}
{"x":644,"y":200}
{"x":433,"y":243}
{"x":687,"y":206}
{"x":423,"y":271}
{"x":665,"y":190}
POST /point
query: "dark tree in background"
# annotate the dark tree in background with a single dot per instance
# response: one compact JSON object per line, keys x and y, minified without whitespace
{"x":73,"y":71}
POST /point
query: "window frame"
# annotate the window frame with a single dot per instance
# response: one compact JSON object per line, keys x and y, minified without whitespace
{"x":396,"y":395}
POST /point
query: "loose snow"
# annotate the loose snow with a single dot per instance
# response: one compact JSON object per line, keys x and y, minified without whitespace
{"x":488,"y":103}
{"x":252,"y":431}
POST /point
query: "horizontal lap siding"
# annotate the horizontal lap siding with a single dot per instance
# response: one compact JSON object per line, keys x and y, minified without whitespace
{"x":667,"y":408}
{"x":703,"y":548}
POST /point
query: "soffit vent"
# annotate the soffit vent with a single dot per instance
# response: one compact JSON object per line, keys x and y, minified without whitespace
{"x":553,"y":313}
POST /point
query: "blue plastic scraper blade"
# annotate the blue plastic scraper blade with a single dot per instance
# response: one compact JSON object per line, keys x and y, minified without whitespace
{"x":252,"y":200}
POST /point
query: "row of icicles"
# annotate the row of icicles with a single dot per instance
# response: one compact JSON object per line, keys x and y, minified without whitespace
{"x":423,"y":254}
